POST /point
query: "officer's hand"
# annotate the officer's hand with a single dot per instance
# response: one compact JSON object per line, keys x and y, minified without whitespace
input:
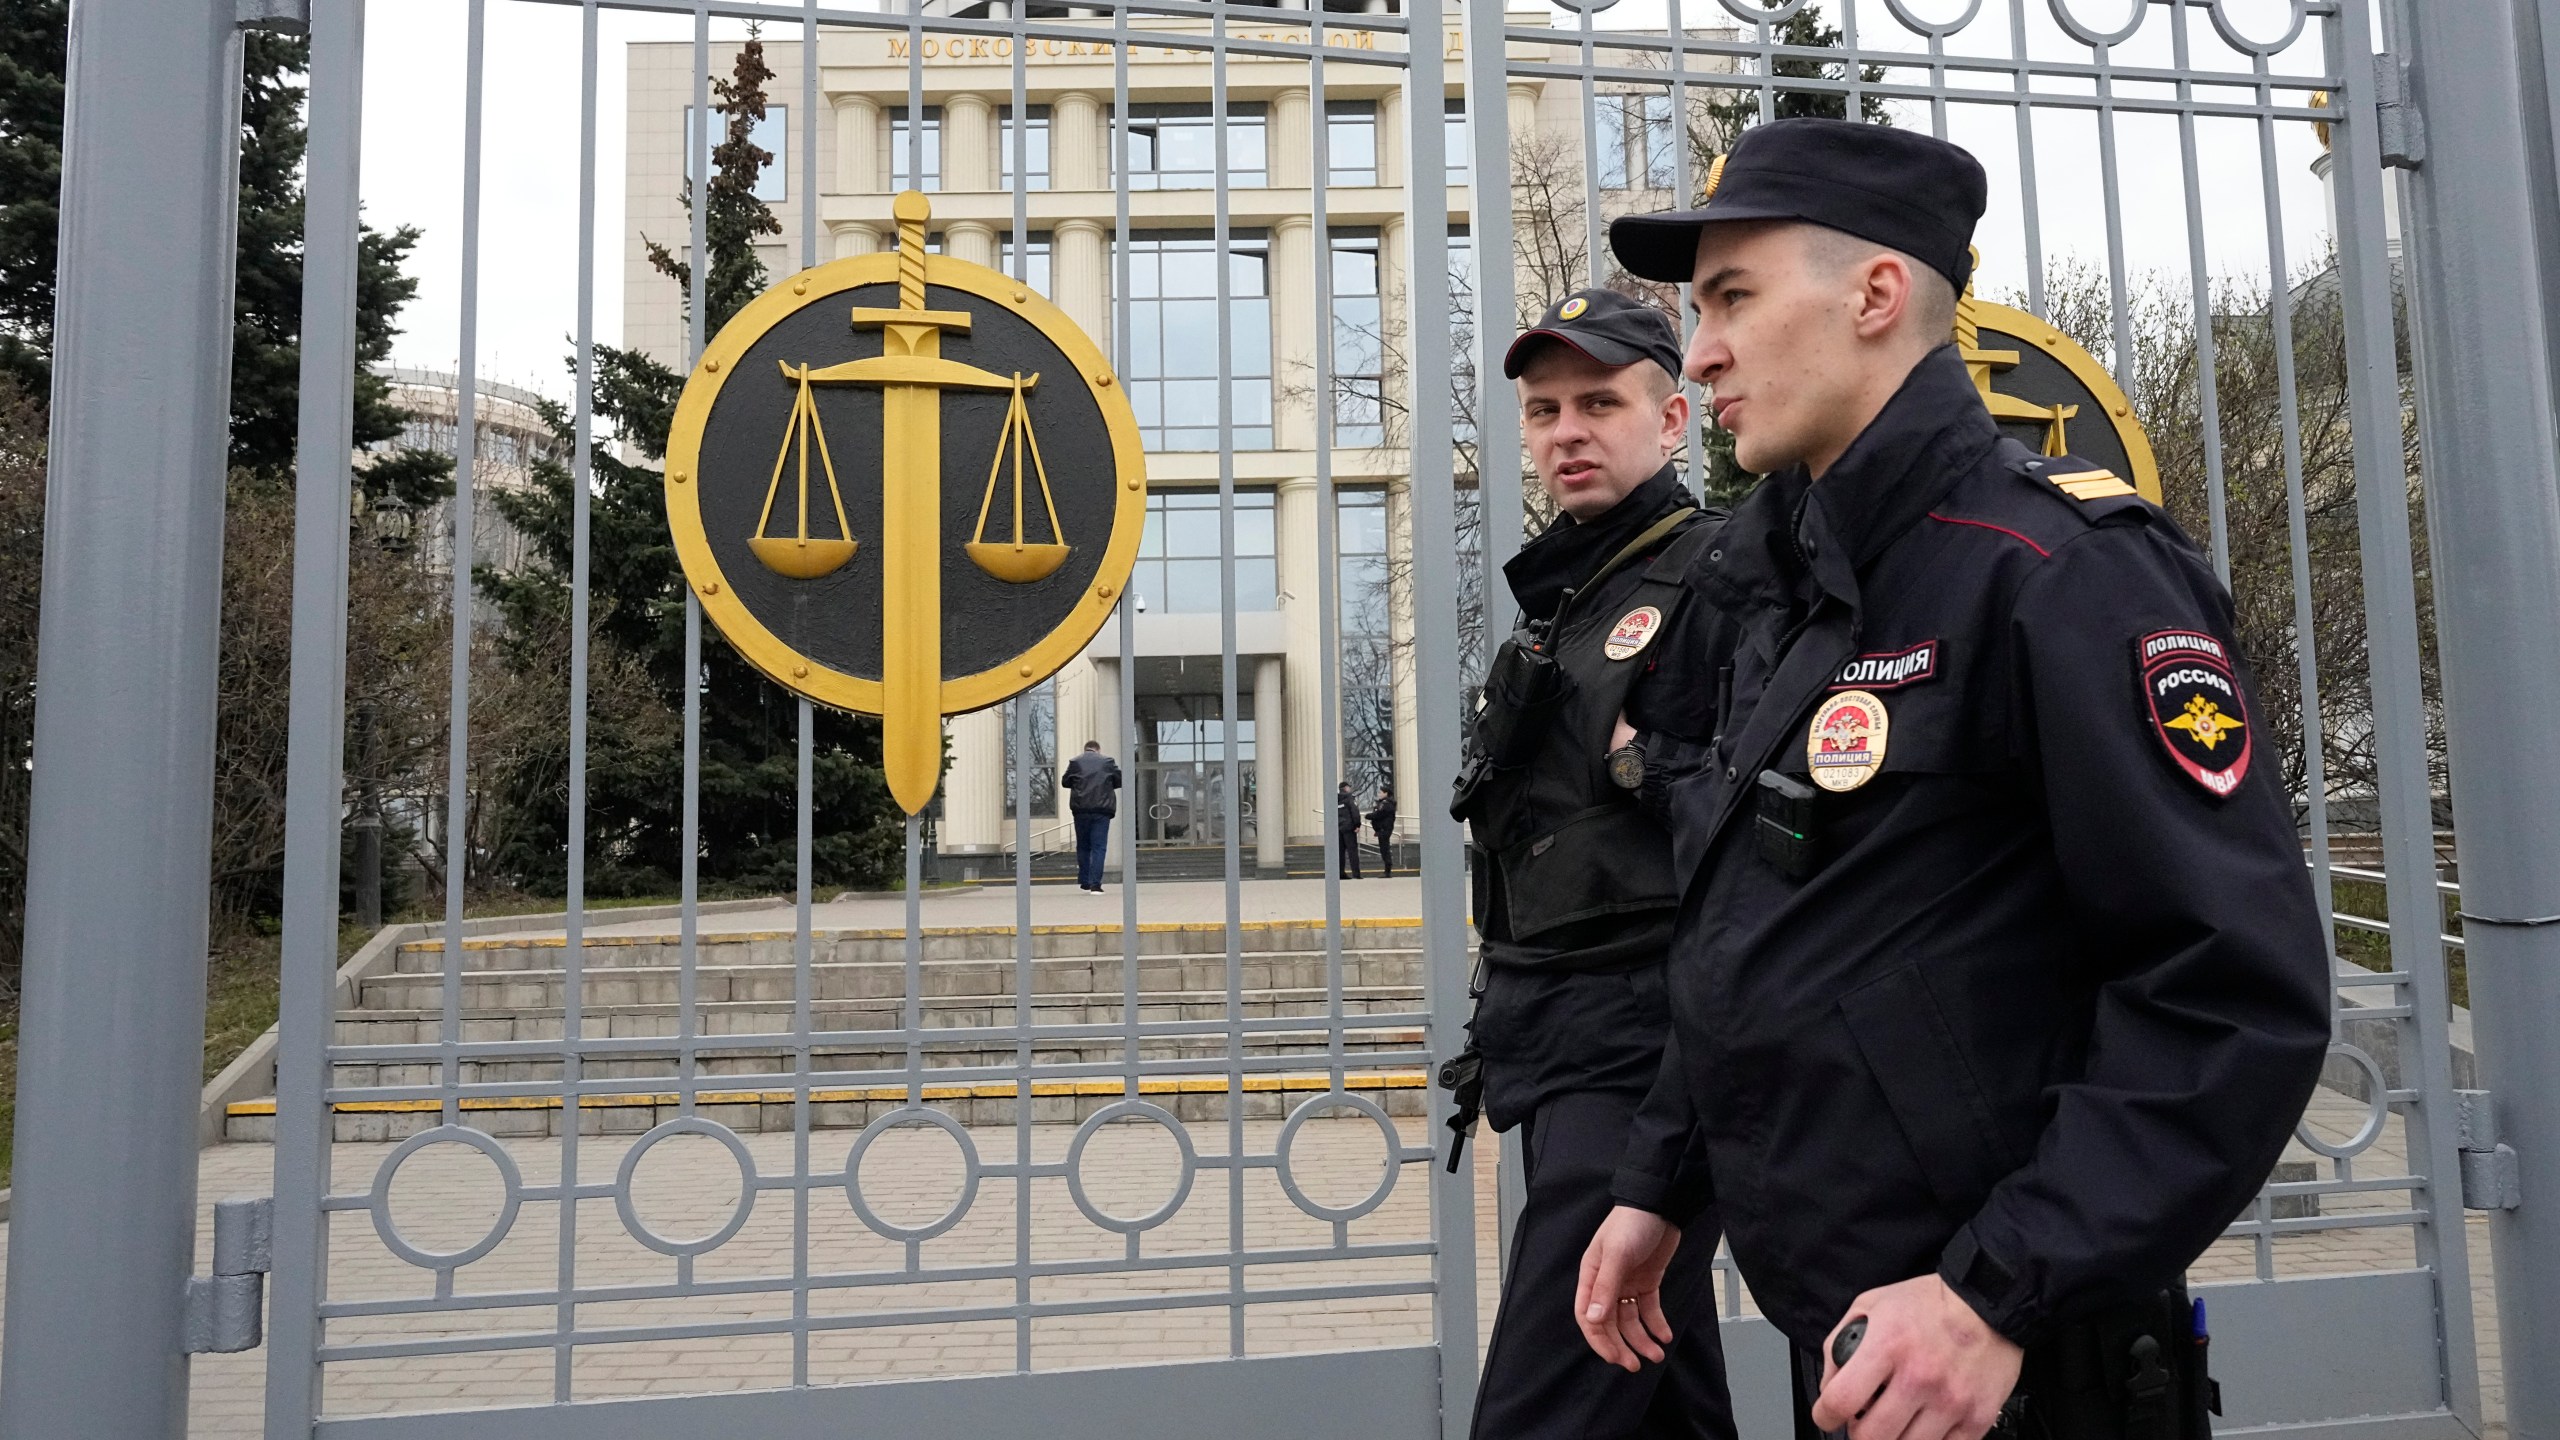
{"x":1928,"y":1367}
{"x":1621,"y":733}
{"x":1619,"y":1302}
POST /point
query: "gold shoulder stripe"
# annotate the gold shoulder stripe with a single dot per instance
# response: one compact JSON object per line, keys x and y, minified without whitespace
{"x":2091,"y":484}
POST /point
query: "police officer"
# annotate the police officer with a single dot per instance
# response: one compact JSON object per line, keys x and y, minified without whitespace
{"x":1997,"y":984}
{"x":1575,"y":890}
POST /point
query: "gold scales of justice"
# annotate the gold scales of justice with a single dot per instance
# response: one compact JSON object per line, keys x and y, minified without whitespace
{"x":1017,"y":640}
{"x":2098,"y":389}
{"x":912,"y":371}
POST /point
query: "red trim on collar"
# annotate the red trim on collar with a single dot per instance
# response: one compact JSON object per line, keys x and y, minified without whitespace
{"x":1987,"y":525}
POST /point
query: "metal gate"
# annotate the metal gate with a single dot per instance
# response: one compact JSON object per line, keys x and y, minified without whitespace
{"x":1267,"y":1061}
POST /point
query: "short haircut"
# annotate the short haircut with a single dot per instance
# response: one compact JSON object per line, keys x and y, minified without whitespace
{"x":1933,"y":298}
{"x":1093,"y":744}
{"x":1658,"y":382}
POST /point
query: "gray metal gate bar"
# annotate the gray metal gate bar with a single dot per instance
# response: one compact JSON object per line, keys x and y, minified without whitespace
{"x":314,"y":753}
{"x":120,"y":818}
{"x":581,"y":480}
{"x":2494,"y":515}
{"x":466,"y":429}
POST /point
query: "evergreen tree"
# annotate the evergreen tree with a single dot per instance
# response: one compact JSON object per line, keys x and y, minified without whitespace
{"x":636,"y":595}
{"x":31,"y":70}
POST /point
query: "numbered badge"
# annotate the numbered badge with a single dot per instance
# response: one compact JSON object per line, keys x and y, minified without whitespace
{"x":1845,"y":748}
{"x":1632,"y":633}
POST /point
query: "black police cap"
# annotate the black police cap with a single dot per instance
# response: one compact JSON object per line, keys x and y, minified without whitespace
{"x":1611,"y":328}
{"x":1899,"y":188}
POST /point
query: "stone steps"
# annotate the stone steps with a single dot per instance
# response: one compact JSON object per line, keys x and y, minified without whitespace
{"x":513,"y":988}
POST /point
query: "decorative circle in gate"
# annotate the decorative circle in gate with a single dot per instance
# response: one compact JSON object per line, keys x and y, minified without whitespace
{"x":1130,"y":1110}
{"x":709,"y":1240}
{"x":508,"y":1177}
{"x":899,"y":1119}
{"x":1317,"y":1105}
{"x":857,"y":585}
{"x":2051,"y":395}
{"x":2377,"y":1109}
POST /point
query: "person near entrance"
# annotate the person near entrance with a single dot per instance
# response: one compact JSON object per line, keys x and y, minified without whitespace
{"x":1346,"y":830}
{"x":1997,"y":984}
{"x":1382,"y":825}
{"x":1574,"y":879}
{"x":1092,"y":783}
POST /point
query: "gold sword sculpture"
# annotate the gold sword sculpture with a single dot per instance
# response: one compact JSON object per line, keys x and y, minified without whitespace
{"x":912,"y":375}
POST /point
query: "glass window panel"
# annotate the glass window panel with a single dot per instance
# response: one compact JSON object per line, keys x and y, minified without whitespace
{"x":1250,"y":327}
{"x":1611,"y":113}
{"x":1248,"y":273}
{"x":1190,"y":534}
{"x":1252,"y":402}
{"x":1257,"y":584}
{"x":1189,"y":271}
{"x":1151,"y":542}
{"x":1035,"y":143}
{"x":1253,"y":525}
{"x":1351,"y":142}
{"x":1190,"y":337}
{"x":1461,"y":155}
{"x":1191,"y":586}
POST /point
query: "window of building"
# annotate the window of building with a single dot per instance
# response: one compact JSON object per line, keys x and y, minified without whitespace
{"x":1463,"y":398}
{"x":929,"y":177}
{"x":772,"y":135}
{"x":1035,"y":268}
{"x":1035,"y":144}
{"x":1359,"y":342}
{"x":1368,"y":676}
{"x":1173,"y":340}
{"x":1038,"y":707}
{"x":1175,"y":147}
{"x":1178,"y":562}
{"x":1351,"y":142}
{"x":1635,"y":141}
{"x":1460,"y":157}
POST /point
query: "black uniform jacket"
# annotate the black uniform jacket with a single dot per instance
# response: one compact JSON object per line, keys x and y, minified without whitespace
{"x":2052,"y":998}
{"x":1578,"y":1006}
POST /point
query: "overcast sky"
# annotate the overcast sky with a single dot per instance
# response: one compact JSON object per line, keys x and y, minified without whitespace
{"x":528,"y":264}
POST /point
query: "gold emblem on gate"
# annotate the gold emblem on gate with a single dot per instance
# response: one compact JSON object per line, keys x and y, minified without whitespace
{"x":767,"y":528}
{"x":2044,"y":389}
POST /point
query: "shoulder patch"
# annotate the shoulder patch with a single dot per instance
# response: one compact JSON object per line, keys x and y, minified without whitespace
{"x":2089,"y":484}
{"x":2195,"y":706}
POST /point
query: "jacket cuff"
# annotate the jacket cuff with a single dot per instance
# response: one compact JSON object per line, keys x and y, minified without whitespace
{"x":1678,"y":1198}
{"x":1994,"y":1288}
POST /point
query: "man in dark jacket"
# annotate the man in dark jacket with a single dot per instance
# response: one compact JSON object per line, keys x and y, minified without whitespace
{"x":1092,"y":783}
{"x":1574,"y":890}
{"x":1382,"y":824}
{"x":1997,"y":984}
{"x":1346,"y":830}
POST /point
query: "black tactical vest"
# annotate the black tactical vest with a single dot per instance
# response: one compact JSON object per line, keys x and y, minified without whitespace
{"x":1559,"y":848}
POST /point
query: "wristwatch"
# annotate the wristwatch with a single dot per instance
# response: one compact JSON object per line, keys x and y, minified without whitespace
{"x":1626,"y":766}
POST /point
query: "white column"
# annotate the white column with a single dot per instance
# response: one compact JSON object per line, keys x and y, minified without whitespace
{"x":1521,"y":102}
{"x":1079,"y":143}
{"x":1286,"y":140}
{"x":1075,"y":684}
{"x":1309,"y":810}
{"x":968,"y":143}
{"x":855,"y":238}
{"x":973,"y":798}
{"x":1080,"y":278}
{"x":1293,"y":318}
{"x":1270,"y":767}
{"x":1391,"y":139}
{"x":857,"y":145}
{"x":971,"y":240}
{"x":1099,"y":709}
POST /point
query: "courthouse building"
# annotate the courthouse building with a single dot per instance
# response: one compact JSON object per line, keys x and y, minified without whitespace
{"x":968,"y":132}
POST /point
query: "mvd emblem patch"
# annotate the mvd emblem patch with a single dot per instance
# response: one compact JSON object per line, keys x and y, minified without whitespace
{"x":1632,"y":633}
{"x":2196,"y":708}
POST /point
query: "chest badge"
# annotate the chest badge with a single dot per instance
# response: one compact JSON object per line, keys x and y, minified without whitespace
{"x":1632,"y":633}
{"x":2196,"y":708}
{"x":1845,"y":748}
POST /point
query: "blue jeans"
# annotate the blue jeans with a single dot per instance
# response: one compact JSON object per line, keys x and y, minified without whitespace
{"x":1093,"y":836}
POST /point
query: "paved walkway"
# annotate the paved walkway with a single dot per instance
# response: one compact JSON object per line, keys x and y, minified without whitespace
{"x":1159,"y":901}
{"x":686,"y":1188}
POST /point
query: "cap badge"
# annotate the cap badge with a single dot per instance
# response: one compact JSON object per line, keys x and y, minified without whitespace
{"x":1715,"y":176}
{"x":1633,"y":632}
{"x":1573,"y":308}
{"x":1845,"y":747}
{"x":2196,"y":707}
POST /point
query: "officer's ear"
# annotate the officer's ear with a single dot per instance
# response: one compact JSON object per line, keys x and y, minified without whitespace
{"x":1887,"y":294}
{"x":1674,"y":403}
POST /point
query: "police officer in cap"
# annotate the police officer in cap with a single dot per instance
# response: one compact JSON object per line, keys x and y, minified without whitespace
{"x":1574,"y":882}
{"x":1997,"y":984}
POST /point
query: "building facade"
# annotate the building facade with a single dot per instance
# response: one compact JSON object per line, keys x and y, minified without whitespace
{"x":1066,"y":135}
